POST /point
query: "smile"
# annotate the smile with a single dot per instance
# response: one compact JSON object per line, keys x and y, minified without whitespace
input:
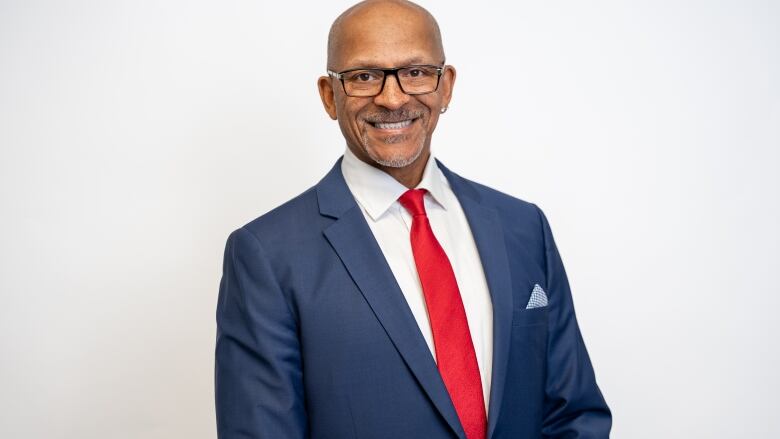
{"x":393,"y":125}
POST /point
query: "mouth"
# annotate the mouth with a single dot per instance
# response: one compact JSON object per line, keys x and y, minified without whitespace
{"x":393,"y":126}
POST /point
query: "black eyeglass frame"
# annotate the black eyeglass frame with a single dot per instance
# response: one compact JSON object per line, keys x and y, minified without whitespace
{"x":386,"y":73}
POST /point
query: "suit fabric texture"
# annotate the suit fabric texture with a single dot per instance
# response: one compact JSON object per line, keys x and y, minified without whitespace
{"x":315,"y":339}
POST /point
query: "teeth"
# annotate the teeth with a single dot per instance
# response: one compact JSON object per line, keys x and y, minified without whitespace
{"x":394,"y":126}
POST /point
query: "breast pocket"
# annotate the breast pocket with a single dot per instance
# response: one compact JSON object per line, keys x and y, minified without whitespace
{"x":530,"y":317}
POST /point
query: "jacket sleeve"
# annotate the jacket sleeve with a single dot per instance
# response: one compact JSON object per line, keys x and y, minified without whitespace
{"x":258,"y":377}
{"x":574,"y":406}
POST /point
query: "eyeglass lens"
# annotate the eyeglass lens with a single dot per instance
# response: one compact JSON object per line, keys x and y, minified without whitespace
{"x":413,"y":80}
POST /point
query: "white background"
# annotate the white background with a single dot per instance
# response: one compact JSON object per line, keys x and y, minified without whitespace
{"x":136,"y":135}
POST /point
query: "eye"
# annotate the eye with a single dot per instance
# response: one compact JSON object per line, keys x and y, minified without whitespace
{"x":414,"y":73}
{"x":363,"y":76}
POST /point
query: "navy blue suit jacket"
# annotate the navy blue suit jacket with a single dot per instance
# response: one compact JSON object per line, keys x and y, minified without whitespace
{"x":315,"y":338}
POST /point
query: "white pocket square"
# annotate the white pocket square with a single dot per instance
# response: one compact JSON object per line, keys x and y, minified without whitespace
{"x":538,"y":298}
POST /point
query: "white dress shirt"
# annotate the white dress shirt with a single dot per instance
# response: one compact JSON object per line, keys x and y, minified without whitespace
{"x":376,"y":192}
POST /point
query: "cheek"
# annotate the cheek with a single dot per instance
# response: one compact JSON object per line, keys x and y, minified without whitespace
{"x":433,"y":104}
{"x":350,"y":113}
{"x":432,"y":116}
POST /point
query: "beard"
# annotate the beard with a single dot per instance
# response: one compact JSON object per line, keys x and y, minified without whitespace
{"x":396,"y":159}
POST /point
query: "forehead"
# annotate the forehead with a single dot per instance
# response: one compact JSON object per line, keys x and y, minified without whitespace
{"x":387,"y":39}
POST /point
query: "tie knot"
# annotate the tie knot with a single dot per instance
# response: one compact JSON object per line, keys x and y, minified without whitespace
{"x":412,"y":200}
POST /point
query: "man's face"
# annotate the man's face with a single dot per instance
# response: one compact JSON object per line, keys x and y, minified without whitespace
{"x":392,"y":129}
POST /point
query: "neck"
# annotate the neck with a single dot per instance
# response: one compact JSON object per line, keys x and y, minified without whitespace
{"x":410,"y":175}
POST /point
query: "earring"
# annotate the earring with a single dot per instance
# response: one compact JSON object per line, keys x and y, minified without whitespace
{"x":444,"y":110}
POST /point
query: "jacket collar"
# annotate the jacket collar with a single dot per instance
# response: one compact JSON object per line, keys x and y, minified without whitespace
{"x":376,"y":190}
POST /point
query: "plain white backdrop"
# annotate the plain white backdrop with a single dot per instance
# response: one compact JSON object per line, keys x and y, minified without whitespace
{"x":136,"y":135}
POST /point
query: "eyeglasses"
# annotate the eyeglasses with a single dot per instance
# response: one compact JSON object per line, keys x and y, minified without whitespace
{"x":413,"y":80}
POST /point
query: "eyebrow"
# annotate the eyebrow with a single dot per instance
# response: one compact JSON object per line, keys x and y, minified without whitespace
{"x":363,"y":64}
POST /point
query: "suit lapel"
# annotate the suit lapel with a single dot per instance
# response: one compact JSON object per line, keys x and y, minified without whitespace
{"x":489,"y":235}
{"x":357,"y":248}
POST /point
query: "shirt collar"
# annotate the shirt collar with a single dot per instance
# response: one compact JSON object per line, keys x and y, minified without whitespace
{"x":376,"y":191}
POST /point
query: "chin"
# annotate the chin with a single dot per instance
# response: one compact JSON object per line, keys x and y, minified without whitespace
{"x":394,"y":151}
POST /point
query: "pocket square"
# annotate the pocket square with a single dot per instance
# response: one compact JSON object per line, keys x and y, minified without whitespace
{"x":538,"y":298}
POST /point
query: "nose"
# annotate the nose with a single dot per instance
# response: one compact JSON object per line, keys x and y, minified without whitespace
{"x":391,"y":97}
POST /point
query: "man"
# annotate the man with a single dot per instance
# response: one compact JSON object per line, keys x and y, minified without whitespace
{"x":396,"y":299}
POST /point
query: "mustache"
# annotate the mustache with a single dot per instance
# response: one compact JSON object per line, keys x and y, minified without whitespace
{"x":387,"y":116}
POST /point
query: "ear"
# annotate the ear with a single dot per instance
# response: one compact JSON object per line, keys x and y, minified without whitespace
{"x":325,"y":85}
{"x":447,"y":84}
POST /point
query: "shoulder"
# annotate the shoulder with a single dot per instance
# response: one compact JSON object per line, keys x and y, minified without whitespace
{"x":286,"y":224}
{"x":512,"y":211}
{"x":506,"y":203}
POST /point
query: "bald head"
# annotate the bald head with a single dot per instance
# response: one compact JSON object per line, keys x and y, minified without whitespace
{"x":385,"y":20}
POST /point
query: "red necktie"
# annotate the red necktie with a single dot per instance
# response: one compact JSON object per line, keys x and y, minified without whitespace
{"x":455,"y":355}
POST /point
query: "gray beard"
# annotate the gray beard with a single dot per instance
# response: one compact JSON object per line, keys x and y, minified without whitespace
{"x":393,"y":162}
